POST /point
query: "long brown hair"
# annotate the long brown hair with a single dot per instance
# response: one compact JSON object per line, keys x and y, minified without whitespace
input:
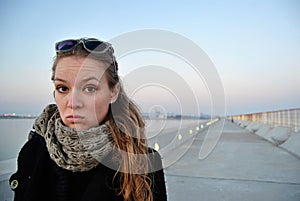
{"x":127,"y":128}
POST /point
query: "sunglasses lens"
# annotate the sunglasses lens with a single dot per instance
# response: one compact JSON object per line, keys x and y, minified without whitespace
{"x":91,"y":45}
{"x":96,"y":46}
{"x":66,"y":45}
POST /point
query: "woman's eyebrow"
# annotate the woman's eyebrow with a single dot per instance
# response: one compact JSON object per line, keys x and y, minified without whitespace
{"x":90,"y":78}
{"x":82,"y":81}
{"x":59,"y":79}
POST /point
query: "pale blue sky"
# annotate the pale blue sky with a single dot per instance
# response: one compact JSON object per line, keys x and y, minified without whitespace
{"x":255,"y":45}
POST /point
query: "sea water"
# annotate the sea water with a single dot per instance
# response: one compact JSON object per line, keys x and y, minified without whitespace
{"x":14,"y":133}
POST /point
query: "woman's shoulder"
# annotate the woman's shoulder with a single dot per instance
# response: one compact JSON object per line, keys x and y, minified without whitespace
{"x":156,"y":171}
{"x":154,"y":154}
{"x":32,"y":154}
{"x":155,"y":160}
{"x":152,"y":150}
{"x":33,"y":150}
{"x":34,"y":143}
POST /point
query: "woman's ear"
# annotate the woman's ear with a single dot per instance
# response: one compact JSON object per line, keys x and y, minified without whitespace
{"x":115,"y":93}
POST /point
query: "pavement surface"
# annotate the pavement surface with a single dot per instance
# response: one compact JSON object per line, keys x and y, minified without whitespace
{"x":243,"y":166}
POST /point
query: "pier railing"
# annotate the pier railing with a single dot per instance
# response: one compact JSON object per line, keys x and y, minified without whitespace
{"x":288,"y":118}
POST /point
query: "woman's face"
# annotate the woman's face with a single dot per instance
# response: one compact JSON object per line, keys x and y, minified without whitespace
{"x":82,"y":93}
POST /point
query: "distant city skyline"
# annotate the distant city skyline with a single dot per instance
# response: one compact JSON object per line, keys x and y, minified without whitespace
{"x":254,"y":46}
{"x":158,"y":115}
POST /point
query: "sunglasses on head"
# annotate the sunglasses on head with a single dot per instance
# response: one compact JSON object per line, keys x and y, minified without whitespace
{"x":89,"y":44}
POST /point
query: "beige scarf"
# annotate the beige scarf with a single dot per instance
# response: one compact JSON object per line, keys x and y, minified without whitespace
{"x":73,"y":150}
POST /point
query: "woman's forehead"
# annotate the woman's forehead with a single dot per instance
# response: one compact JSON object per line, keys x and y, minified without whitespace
{"x":80,"y":61}
{"x":80,"y":64}
{"x":80,"y":68}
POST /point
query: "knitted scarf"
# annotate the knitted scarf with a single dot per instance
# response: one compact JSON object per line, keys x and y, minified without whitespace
{"x":71,"y":149}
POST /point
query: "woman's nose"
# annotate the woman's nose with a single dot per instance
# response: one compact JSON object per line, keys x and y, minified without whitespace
{"x":74,"y":100}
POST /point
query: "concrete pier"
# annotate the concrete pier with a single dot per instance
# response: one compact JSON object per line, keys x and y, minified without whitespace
{"x":243,"y":166}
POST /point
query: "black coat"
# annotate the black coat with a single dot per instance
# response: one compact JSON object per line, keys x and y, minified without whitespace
{"x":38,"y":178}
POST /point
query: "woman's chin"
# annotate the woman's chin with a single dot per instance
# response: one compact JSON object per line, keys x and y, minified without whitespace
{"x":78,"y":127}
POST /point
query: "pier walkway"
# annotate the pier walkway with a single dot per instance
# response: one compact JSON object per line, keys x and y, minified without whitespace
{"x":243,"y":166}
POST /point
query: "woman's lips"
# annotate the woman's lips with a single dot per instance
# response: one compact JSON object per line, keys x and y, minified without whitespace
{"x":75,"y":118}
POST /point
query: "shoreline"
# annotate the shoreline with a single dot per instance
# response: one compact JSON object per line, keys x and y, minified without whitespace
{"x":17,"y":117}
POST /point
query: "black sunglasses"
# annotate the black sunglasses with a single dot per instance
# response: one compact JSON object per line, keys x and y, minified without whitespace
{"x":89,"y":44}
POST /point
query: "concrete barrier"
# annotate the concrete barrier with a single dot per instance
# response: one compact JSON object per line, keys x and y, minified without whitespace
{"x":254,"y":126}
{"x":263,"y":130}
{"x":244,"y":124}
{"x":293,"y":144}
{"x":278,"y":135}
{"x":248,"y":127}
{"x":237,"y":121}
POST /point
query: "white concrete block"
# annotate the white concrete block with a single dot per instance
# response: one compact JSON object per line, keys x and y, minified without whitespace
{"x":263,"y":130}
{"x":293,"y":143}
{"x":254,"y":126}
{"x":248,"y":127}
{"x":278,"y":135}
{"x":245,"y":124}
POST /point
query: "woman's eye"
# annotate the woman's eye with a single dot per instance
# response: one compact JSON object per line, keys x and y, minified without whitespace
{"x":90,"y":89}
{"x":62,"y":89}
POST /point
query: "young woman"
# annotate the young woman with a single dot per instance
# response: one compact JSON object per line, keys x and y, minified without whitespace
{"x":91,"y":144}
